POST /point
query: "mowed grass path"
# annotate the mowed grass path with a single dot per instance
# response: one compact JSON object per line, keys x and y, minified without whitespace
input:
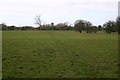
{"x":59,"y":54}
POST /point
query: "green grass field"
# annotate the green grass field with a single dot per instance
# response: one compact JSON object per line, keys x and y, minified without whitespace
{"x":59,"y":54}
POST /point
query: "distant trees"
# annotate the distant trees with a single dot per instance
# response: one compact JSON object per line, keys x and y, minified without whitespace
{"x":99,"y":27}
{"x":59,"y":26}
{"x":110,"y":27}
{"x":62,"y":26}
{"x":89,"y":28}
{"x":52,"y":24}
{"x":38,"y":20}
{"x":12,"y":27}
{"x":81,"y":25}
{"x":27,"y":28}
{"x":95,"y":29}
{"x":4,"y":26}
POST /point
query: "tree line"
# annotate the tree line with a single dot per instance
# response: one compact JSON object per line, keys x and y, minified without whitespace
{"x":60,"y":26}
{"x":110,"y":26}
{"x":79,"y":25}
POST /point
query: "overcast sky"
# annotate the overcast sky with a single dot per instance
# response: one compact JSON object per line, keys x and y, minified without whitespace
{"x":22,"y":12}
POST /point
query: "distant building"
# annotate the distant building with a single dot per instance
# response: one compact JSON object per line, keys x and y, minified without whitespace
{"x":119,"y":8}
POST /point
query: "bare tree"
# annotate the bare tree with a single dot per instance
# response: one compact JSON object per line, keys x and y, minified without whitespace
{"x":38,"y":20}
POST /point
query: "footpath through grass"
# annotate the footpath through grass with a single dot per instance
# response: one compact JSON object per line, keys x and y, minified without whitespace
{"x":59,"y":54}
